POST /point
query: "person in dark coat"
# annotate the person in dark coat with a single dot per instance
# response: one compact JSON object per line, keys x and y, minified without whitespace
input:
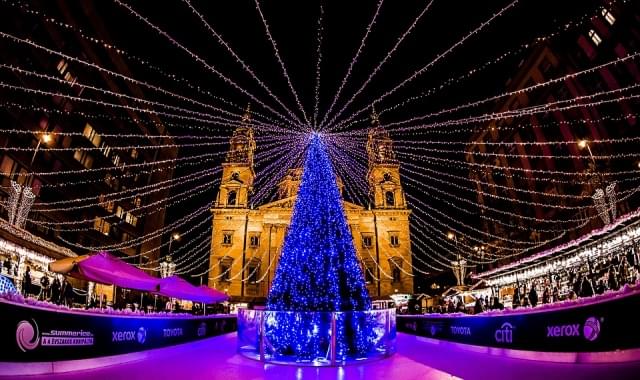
{"x":478,"y":307}
{"x":67,"y":293}
{"x":533,"y":296}
{"x":26,"y":282}
{"x":546,"y":296}
{"x":613,"y":279}
{"x":601,"y":287}
{"x":44,"y":285}
{"x":55,"y":290}
{"x":516,"y":298}
{"x":586,"y":287}
{"x":577,"y":286}
{"x":496,"y":304}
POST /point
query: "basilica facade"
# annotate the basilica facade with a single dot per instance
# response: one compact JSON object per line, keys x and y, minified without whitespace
{"x":247,"y":240}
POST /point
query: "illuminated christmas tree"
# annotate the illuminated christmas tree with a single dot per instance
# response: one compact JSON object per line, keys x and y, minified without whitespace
{"x":318,"y":268}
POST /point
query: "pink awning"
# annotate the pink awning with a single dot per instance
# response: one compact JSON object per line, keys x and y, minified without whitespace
{"x":106,"y":269}
{"x":176,"y":287}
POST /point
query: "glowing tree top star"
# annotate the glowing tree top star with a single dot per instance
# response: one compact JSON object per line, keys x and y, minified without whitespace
{"x":318,"y":268}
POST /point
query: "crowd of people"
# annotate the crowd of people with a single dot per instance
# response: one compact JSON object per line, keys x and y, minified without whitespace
{"x":586,"y":279}
{"x":56,"y":291}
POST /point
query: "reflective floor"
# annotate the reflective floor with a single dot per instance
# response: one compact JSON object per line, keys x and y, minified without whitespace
{"x":215,"y":358}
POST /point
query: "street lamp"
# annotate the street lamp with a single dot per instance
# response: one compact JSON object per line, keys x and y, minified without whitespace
{"x":167,"y":266}
{"x":601,"y":196}
{"x":21,"y":196}
{"x":458,"y":266}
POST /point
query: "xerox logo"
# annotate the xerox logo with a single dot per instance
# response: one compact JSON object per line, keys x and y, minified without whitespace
{"x":505,"y":333}
{"x":563,"y":330}
{"x":591,"y":329}
{"x":127,"y":336}
{"x":460,"y":330}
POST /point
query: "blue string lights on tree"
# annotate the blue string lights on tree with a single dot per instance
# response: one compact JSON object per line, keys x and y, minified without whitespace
{"x":318,"y":269}
{"x":318,"y":273}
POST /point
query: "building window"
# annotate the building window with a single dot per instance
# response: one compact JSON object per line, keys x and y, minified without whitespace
{"x":225,"y":272}
{"x":84,"y":158}
{"x":608,"y":16}
{"x":131,"y":219}
{"x":368,"y":274}
{"x":367,"y":241}
{"x":387,"y":177}
{"x":595,"y":37}
{"x":231,"y":198}
{"x":253,"y":273}
{"x":105,"y":149}
{"x":390,"y":198}
{"x":254,"y":241}
{"x":394,"y":240}
{"x":227,"y":238}
{"x":91,"y":134}
{"x":62,"y":66}
{"x":396,"y":274}
{"x":137,"y":202}
{"x":134,"y":153}
{"x":102,"y":226}
{"x":105,"y":203}
{"x":120,"y":212}
{"x":235,"y":176}
{"x":7,"y":166}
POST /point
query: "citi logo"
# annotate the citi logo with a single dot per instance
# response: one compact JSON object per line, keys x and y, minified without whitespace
{"x":505,"y":333}
{"x":460,"y":330}
{"x":564,"y":330}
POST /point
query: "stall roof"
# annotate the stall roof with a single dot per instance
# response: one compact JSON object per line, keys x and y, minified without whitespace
{"x":106,"y":269}
{"x":632,"y":218}
{"x":26,"y":239}
{"x":177,"y":287}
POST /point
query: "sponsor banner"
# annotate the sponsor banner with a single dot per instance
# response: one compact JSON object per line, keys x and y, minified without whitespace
{"x":597,"y":327}
{"x":32,"y":334}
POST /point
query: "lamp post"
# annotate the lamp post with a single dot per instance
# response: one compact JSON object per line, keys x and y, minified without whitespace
{"x":606,"y":210}
{"x":459,"y":265}
{"x":167,"y":266}
{"x":22,"y":197}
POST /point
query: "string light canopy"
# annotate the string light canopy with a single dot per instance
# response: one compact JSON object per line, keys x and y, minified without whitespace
{"x":477,"y":171}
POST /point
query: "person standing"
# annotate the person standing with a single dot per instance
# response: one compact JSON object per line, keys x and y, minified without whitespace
{"x":44,"y":287}
{"x":586,"y":287}
{"x":26,"y":282}
{"x":516,"y":298}
{"x":55,"y":290}
{"x":612,"y":280}
{"x":546,"y":297}
{"x":533,"y":296}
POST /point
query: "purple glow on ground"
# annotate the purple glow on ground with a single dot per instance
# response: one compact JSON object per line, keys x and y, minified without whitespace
{"x":216,"y":358}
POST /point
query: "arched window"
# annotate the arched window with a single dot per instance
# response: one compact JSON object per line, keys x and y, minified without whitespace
{"x":231,"y":198}
{"x":390,"y":198}
{"x":396,"y":274}
{"x":387,"y":177}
